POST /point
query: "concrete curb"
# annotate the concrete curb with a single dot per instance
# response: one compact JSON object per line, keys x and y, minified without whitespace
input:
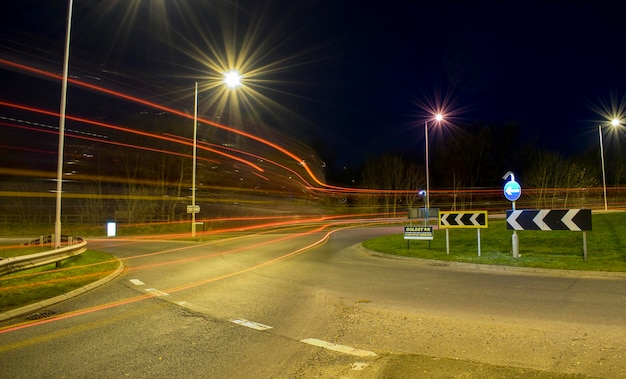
{"x":48,"y":302}
{"x":486,"y":267}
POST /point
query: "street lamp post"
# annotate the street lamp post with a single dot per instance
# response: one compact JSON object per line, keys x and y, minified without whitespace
{"x":615,"y":122}
{"x":232,"y":79}
{"x":438,"y":118}
{"x":59,"y":189}
{"x":193,"y":172}
{"x":603,"y":171}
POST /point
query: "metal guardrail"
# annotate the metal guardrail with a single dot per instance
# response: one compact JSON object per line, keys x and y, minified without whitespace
{"x":77,"y":245}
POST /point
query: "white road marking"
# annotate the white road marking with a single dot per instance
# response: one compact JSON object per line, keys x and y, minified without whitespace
{"x":251,"y":324}
{"x":137,"y":282}
{"x":156,"y":292}
{"x":338,"y":348}
{"x":358,"y":366}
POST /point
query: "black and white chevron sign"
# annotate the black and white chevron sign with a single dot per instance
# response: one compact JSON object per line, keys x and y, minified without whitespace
{"x":460,"y":219}
{"x":549,"y":219}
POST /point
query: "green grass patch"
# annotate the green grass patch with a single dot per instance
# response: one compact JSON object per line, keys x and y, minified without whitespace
{"x":30,"y":286}
{"x":123,"y":229}
{"x":541,"y":249}
{"x":19,"y":250}
{"x":27,"y":231}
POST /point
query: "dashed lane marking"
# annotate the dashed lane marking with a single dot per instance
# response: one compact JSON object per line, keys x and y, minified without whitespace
{"x":156,"y":292}
{"x":251,"y":324}
{"x":339,"y":348}
{"x":137,"y":282}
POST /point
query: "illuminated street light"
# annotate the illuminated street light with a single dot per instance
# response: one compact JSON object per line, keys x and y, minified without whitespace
{"x":615,"y":122}
{"x":438,"y":118}
{"x":232,"y":79}
{"x":66,"y":59}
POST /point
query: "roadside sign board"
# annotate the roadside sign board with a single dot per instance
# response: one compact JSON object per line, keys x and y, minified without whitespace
{"x":418,"y":232}
{"x":193,"y":209}
{"x":549,"y":219}
{"x":512,"y":190}
{"x":463,"y":219}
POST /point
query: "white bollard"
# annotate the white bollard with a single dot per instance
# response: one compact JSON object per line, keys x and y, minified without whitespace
{"x":111,"y":229}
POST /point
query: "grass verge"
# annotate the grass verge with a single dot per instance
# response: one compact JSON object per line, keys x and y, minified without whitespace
{"x":606,"y":245}
{"x":30,"y":286}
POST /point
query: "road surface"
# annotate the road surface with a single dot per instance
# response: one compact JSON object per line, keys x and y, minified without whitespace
{"x":305,"y":304}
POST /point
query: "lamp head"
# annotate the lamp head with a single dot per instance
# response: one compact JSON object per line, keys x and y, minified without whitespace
{"x":232,"y":79}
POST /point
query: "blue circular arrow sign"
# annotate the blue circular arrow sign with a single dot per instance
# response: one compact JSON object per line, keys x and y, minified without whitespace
{"x":512,"y":190}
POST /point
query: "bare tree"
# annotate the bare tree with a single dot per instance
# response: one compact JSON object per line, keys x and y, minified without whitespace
{"x":398,"y":180}
{"x":577,"y":180}
{"x":541,"y":174}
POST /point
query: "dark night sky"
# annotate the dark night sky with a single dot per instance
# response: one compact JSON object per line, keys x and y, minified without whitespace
{"x":356,"y":71}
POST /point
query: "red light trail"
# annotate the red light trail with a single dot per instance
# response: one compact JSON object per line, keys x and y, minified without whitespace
{"x":134,"y":99}
{"x":131,"y":300}
{"x":127,"y":130}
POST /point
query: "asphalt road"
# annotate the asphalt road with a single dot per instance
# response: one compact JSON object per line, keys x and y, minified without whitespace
{"x":293,"y":305}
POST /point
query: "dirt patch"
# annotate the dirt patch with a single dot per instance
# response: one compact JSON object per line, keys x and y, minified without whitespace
{"x":419,"y":366}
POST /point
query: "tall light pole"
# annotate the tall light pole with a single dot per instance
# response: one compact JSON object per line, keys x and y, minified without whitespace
{"x":615,"y":122}
{"x":193,"y":172}
{"x":438,"y":117}
{"x":59,"y":190}
{"x":232,"y":79}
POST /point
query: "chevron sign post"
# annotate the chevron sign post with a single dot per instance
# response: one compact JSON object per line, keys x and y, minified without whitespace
{"x":551,"y":219}
{"x":462,"y":219}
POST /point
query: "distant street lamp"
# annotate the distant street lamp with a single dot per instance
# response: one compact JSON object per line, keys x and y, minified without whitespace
{"x":438,"y":118}
{"x":232,"y":79}
{"x":59,"y":189}
{"x":615,"y":122}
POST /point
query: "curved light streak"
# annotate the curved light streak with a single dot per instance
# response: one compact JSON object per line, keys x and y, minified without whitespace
{"x":127,"y":130}
{"x":131,"y":300}
{"x":134,"y":99}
